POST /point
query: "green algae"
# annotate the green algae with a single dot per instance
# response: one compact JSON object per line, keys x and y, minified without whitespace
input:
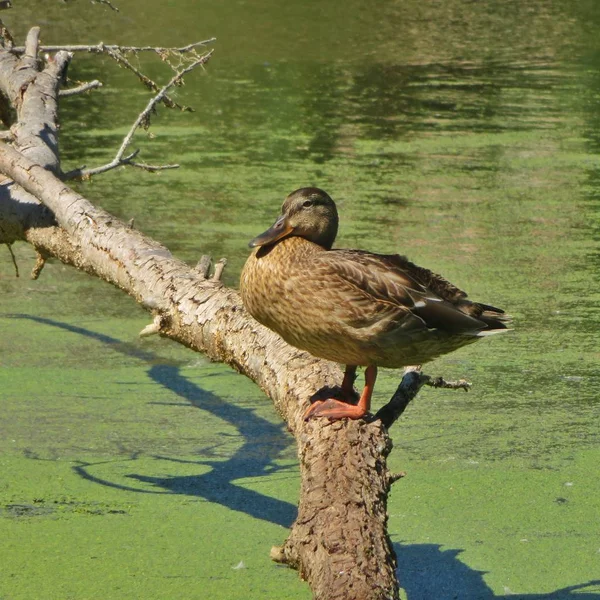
{"x":136,"y":469}
{"x":106,"y":472}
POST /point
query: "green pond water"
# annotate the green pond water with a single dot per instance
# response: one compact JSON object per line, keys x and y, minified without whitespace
{"x":463,"y":134}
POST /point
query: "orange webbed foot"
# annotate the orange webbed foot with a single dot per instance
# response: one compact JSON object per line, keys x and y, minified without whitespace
{"x":334,"y":409}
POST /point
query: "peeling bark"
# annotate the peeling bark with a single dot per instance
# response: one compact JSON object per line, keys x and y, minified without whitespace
{"x":339,"y":542}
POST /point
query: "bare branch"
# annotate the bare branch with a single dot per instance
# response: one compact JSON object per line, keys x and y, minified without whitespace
{"x":117,"y":53}
{"x":412,"y":381}
{"x":143,"y":120}
{"x":151,"y":85}
{"x":144,"y":116}
{"x":102,"y":48}
{"x":80,"y":89}
{"x":84,"y":173}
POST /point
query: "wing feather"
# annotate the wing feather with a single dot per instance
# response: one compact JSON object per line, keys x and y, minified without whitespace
{"x":390,"y":291}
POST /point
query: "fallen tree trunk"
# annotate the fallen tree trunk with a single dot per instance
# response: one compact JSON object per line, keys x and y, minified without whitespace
{"x":339,"y":542}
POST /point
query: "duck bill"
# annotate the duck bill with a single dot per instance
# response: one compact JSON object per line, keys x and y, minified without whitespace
{"x":278,"y":230}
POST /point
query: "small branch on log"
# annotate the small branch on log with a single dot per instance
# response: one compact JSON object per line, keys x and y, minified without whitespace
{"x":153,"y":328}
{"x":143,"y":120}
{"x":219,"y":267}
{"x":32,"y":43}
{"x":203,"y":266}
{"x":40,"y":262}
{"x":80,"y":89}
{"x":412,"y":381}
{"x":393,"y":477}
{"x":14,"y":259}
{"x":277,"y":555}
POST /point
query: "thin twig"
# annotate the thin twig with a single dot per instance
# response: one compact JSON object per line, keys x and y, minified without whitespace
{"x":142,"y":120}
{"x":153,"y":168}
{"x":151,"y":85}
{"x":14,"y":259}
{"x":80,"y":89}
{"x":117,"y":56}
{"x":440,"y":382}
{"x":108,"y":3}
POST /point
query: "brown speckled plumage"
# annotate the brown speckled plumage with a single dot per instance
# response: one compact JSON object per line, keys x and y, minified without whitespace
{"x":351,"y":306}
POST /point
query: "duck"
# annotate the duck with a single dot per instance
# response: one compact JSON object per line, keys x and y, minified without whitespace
{"x":353,"y":307}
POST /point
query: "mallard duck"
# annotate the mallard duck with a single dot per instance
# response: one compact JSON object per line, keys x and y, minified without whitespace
{"x":351,"y":306}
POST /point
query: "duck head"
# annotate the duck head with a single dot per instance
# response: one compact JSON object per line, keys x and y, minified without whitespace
{"x":309,"y":213}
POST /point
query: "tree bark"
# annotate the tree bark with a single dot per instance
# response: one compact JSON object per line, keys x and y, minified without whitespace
{"x":339,"y":542}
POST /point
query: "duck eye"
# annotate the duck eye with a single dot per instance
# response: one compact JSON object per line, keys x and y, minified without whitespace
{"x":307,"y":203}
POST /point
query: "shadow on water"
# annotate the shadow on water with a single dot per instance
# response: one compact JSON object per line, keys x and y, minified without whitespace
{"x":425,"y":571}
{"x":263,"y":442}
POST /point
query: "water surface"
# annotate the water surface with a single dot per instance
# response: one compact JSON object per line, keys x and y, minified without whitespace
{"x":462,"y":134}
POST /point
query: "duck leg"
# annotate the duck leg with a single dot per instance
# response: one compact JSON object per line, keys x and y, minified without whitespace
{"x":336,"y":409}
{"x":348,"y":382}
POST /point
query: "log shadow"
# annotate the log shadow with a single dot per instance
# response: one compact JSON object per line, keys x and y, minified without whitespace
{"x":263,"y":441}
{"x":426,"y":571}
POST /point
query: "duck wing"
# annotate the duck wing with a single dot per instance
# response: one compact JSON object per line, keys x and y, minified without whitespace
{"x":392,"y":292}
